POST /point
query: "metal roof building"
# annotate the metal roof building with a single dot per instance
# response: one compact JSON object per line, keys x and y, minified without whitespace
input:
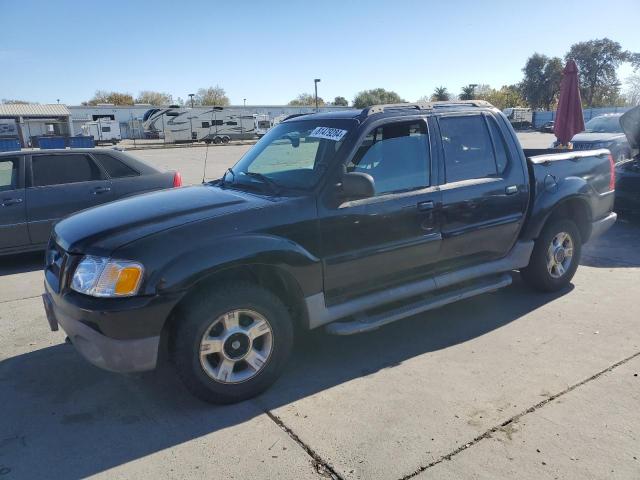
{"x":27,"y":121}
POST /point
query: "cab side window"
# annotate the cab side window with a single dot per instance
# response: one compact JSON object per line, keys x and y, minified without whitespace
{"x":8,"y":174}
{"x":396,"y":156}
{"x":468,"y":151}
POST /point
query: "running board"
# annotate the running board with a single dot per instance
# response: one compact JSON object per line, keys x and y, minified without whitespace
{"x":365,"y":323}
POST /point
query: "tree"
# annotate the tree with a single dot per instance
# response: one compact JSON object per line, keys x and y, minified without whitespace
{"x":154,"y":98}
{"x":341,"y":101}
{"x":507,"y":96}
{"x":541,"y":83}
{"x":467,"y":93}
{"x":376,"y":96}
{"x":211,"y":96}
{"x":116,"y":98}
{"x":13,"y":101}
{"x":632,"y":93}
{"x":440,"y":94}
{"x":597,"y":63}
{"x":306,"y":100}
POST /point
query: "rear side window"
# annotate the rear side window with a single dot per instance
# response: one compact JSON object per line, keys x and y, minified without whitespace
{"x":396,"y":156}
{"x":114,"y":167}
{"x":502,"y":158}
{"x":60,"y":169}
{"x":8,"y":173}
{"x":468,"y":152}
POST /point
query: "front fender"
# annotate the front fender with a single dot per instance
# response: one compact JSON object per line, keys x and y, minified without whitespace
{"x":209,"y":256}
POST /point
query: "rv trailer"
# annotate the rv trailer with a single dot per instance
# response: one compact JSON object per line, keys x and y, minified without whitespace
{"x":103,"y":130}
{"x":209,"y":125}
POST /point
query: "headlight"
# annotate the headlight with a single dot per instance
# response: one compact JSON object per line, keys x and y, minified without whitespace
{"x":105,"y":277}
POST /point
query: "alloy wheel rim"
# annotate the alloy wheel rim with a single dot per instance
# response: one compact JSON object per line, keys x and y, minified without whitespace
{"x":559,"y":255}
{"x":236,"y":346}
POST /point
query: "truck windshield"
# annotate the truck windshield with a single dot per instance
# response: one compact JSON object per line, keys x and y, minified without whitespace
{"x":603,"y":125}
{"x":292,"y":154}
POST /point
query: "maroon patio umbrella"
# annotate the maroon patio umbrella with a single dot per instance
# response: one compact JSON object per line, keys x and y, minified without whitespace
{"x":569,"y":119}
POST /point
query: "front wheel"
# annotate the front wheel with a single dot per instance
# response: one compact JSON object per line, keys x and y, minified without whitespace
{"x":555,"y":257}
{"x":233,"y":343}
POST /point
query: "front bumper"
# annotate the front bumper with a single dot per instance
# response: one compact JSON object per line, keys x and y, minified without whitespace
{"x":600,"y":226}
{"x":94,"y":326}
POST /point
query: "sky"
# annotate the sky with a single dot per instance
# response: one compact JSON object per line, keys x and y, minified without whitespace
{"x":270,"y":51}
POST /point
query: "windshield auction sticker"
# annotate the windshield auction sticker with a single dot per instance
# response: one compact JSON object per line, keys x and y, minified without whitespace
{"x":334,"y":134}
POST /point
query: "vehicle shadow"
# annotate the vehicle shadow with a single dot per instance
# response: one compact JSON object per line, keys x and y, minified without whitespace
{"x":63,"y":418}
{"x":618,"y":247}
{"x":21,"y":263}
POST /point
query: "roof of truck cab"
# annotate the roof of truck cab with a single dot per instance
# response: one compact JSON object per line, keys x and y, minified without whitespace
{"x":395,"y":110}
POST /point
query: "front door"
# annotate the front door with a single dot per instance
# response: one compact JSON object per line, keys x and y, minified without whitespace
{"x":393,"y":237}
{"x":13,"y":218}
{"x":62,"y":184}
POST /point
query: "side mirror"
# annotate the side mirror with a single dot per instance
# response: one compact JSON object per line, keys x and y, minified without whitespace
{"x":357,"y":185}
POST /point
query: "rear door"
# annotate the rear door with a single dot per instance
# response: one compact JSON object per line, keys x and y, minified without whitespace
{"x":485,"y":192}
{"x":13,"y":217}
{"x":61,"y":184}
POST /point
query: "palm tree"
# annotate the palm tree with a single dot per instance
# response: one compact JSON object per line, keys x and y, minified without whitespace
{"x":440,"y":94}
{"x":467,"y":92}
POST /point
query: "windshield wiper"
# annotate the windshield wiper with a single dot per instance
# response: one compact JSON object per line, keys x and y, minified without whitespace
{"x":272,"y":184}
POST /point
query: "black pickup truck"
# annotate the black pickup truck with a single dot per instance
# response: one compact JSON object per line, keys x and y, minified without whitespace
{"x":346,"y":220}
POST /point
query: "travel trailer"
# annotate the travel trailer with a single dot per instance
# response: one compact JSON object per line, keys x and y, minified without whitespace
{"x":210,"y":125}
{"x":103,"y":130}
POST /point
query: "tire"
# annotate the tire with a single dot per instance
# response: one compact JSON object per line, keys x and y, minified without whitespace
{"x":217,"y":140}
{"x":206,"y":376}
{"x":225,"y":140}
{"x":538,"y":274}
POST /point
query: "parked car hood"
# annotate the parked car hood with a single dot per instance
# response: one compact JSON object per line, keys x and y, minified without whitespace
{"x":630,"y":122}
{"x":596,"y":137}
{"x":100,"y":230}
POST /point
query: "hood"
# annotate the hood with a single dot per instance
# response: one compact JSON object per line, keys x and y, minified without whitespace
{"x":597,"y":137}
{"x":100,"y":230}
{"x":630,"y":122}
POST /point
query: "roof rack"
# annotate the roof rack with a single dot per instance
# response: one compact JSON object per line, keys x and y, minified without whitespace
{"x":372,"y":110}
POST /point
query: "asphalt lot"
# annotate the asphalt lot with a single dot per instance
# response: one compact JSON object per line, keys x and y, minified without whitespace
{"x":512,"y":384}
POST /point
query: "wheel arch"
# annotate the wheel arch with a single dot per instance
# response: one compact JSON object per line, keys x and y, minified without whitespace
{"x":574,"y":208}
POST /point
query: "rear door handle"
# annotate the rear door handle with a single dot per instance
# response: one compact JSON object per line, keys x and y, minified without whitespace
{"x":7,"y":202}
{"x":425,"y":206}
{"x":99,"y":190}
{"x":511,"y":189}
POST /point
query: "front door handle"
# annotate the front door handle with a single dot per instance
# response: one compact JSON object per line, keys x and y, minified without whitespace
{"x":7,"y":202}
{"x":511,"y":189}
{"x":425,"y":206}
{"x":100,"y":190}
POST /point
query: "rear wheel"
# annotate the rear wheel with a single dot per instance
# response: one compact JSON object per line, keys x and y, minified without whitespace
{"x":232,"y":344}
{"x":555,"y":256}
{"x":226,"y":140}
{"x":217,"y":140}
